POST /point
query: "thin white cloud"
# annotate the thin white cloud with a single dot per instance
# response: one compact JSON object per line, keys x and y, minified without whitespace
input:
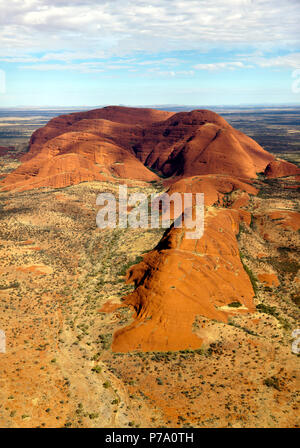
{"x":163,"y":61}
{"x":83,"y":68}
{"x":221,"y":66}
{"x":287,"y":61}
{"x":168,"y":73}
{"x":291,"y":60}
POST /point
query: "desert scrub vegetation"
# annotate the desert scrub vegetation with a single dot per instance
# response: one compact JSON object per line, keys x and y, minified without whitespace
{"x":243,"y":228}
{"x":240,"y":327}
{"x":105,"y":340}
{"x":284,"y":265}
{"x":267,"y":309}
{"x":296,"y":299}
{"x":251,"y":276}
{"x":14,"y":284}
{"x":272,"y":311}
{"x":234,"y":304}
{"x":130,"y":263}
{"x":273,"y":382}
{"x":270,"y":189}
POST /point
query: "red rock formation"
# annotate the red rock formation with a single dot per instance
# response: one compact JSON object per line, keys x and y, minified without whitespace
{"x":281,"y":168}
{"x":107,"y":121}
{"x":184,"y":278}
{"x":214,"y":187}
{"x":200,"y":142}
{"x":74,"y":157}
{"x":199,"y":152}
{"x":121,"y":142}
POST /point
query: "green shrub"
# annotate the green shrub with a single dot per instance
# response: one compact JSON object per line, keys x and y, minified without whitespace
{"x":105,"y":340}
{"x":262,"y":308}
{"x":235,"y":304}
{"x":251,"y":276}
{"x":273,"y":381}
{"x":129,"y":264}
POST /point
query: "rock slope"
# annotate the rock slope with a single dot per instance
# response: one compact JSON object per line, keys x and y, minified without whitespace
{"x":134,"y":143}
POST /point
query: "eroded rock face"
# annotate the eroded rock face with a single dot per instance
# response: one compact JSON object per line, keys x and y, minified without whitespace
{"x":281,"y":168}
{"x":214,"y":188}
{"x":200,"y":142}
{"x":76,"y":157}
{"x":182,"y":279}
{"x":121,"y":142}
{"x":93,"y":145}
{"x":106,"y":121}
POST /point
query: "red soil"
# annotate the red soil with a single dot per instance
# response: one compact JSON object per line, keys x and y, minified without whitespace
{"x":268,"y":279}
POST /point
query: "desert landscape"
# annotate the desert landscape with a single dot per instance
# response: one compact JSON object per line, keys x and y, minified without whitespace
{"x":129,"y":328}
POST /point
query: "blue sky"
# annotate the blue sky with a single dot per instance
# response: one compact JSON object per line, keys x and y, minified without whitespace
{"x":188,"y":52}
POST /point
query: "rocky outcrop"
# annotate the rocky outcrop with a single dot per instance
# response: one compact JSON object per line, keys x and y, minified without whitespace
{"x":281,"y":168}
{"x":135,"y":143}
{"x":200,"y":142}
{"x":182,"y":279}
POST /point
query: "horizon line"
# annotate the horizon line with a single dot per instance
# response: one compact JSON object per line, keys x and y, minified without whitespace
{"x":153,"y":106}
